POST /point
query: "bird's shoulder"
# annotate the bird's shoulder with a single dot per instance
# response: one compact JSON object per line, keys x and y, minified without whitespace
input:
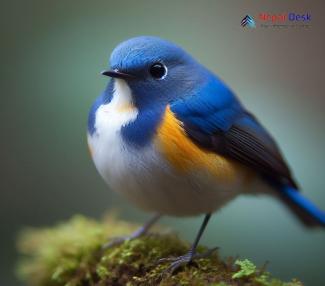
{"x":211,"y":106}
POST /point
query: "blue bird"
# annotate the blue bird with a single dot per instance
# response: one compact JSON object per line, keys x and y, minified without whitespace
{"x":172,"y":138}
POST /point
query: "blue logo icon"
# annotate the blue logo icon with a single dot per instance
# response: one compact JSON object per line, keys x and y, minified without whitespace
{"x":248,"y":21}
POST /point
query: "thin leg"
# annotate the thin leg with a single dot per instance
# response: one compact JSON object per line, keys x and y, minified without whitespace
{"x":177,"y":262}
{"x":139,"y":232}
{"x":199,"y":234}
{"x":145,"y":228}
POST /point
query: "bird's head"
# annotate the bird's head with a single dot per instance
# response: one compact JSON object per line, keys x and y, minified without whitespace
{"x":157,"y":71}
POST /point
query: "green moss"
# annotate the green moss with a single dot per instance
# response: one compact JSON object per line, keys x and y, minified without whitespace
{"x":247,"y":269}
{"x":70,"y":254}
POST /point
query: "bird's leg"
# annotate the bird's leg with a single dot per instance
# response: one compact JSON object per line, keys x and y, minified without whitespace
{"x":177,"y":262}
{"x":139,"y":232}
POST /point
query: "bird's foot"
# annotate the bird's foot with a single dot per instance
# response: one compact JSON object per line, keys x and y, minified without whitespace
{"x":180,"y":261}
{"x":121,"y":239}
{"x":138,"y":233}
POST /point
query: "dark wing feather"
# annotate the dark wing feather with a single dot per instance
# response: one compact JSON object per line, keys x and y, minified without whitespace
{"x":255,"y":148}
{"x":247,"y":142}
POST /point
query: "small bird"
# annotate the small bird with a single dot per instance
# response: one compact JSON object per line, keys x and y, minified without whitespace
{"x":172,"y":138}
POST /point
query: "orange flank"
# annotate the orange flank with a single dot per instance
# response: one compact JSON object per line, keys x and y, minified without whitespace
{"x":186,"y":156}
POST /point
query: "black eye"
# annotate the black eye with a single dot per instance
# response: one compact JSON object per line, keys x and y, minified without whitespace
{"x":158,"y":71}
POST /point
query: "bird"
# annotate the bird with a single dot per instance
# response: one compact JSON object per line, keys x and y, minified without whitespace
{"x":172,"y":138}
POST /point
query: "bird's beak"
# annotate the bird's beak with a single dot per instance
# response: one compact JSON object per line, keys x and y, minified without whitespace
{"x":117,"y":74}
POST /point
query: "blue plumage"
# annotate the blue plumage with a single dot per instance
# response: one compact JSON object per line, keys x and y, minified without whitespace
{"x":140,"y":132}
{"x":211,"y":106}
{"x":298,"y":199}
{"x":92,"y":114}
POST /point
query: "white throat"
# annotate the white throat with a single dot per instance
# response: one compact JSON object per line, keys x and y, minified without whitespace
{"x":111,"y":117}
{"x":122,"y":96}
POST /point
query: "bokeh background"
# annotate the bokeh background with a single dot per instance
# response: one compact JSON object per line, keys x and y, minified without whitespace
{"x":51,"y":56}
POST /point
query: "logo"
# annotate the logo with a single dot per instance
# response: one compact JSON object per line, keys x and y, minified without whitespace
{"x":248,"y":21}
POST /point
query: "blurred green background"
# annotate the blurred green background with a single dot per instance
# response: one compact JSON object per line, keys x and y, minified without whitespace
{"x":51,"y":56}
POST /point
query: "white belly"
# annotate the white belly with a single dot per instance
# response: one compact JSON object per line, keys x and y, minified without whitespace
{"x":148,"y":181}
{"x":142,"y":175}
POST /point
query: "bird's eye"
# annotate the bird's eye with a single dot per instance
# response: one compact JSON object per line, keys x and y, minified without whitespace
{"x":158,"y":71}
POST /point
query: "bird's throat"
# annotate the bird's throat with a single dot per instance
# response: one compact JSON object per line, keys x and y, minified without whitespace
{"x":122,"y":97}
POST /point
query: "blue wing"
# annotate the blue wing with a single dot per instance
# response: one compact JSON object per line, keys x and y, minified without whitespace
{"x":214,"y":118}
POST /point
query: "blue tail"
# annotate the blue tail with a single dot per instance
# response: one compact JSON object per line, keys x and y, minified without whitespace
{"x":306,"y":211}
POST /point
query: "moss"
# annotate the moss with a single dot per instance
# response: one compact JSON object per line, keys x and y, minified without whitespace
{"x":247,"y":269}
{"x":70,"y":254}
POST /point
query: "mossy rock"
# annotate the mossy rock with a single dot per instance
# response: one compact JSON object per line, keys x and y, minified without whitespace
{"x":70,"y":254}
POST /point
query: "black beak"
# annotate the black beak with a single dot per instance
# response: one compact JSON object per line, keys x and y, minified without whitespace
{"x":117,"y":74}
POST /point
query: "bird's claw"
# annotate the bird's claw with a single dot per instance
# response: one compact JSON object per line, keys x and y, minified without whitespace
{"x":177,"y":262}
{"x":138,"y":233}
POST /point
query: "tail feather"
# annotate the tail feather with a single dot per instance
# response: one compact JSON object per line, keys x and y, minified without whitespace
{"x":306,"y":211}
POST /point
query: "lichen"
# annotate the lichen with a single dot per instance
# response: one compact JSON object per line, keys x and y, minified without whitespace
{"x":71,"y":254}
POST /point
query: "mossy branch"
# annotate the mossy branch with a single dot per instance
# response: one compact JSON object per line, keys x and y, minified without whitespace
{"x":70,"y":254}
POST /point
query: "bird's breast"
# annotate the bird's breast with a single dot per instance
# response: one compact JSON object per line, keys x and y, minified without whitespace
{"x":170,"y":174}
